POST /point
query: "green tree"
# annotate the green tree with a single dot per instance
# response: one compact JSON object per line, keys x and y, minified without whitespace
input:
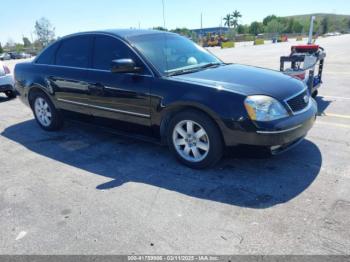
{"x":267,"y":19}
{"x":19,"y":48}
{"x":235,"y":16}
{"x":231,"y":34}
{"x":242,"y":29}
{"x":182,"y":31}
{"x":26,"y":42}
{"x":290,"y":25}
{"x":228,"y":20}
{"x":256,"y":28}
{"x":45,"y":31}
{"x":275,"y":27}
{"x":297,"y":27}
{"x":160,"y":28}
{"x":1,"y":49}
{"x":325,"y":25}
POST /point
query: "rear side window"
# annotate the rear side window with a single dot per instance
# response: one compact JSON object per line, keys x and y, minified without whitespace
{"x":74,"y":52}
{"x":47,"y":57}
{"x":106,"y":49}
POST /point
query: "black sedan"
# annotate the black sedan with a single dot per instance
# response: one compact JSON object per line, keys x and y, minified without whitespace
{"x":165,"y":82}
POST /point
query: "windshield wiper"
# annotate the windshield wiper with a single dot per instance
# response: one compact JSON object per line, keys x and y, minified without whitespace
{"x":182,"y":71}
{"x":211,"y":64}
{"x":194,"y":69}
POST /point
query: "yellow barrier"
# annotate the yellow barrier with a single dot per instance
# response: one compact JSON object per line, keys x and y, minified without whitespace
{"x":227,"y":44}
{"x":259,"y":42}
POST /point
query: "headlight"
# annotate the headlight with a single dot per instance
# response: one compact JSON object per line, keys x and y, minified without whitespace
{"x":264,"y":108}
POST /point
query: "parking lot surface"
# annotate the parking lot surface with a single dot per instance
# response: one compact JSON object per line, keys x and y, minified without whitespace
{"x":86,"y":191}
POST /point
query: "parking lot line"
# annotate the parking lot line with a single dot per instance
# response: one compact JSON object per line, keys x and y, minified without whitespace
{"x":332,"y":124}
{"x":336,"y":115}
{"x":337,"y":97}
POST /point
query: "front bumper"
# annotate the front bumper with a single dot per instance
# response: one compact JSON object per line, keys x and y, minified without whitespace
{"x":282,"y":133}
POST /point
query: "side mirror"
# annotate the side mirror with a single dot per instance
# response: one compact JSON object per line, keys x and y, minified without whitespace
{"x":126,"y":65}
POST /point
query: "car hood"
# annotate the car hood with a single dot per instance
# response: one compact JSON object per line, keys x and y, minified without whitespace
{"x":246,"y":80}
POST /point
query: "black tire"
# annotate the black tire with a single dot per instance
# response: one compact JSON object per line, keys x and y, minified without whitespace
{"x":315,"y":94}
{"x":213,"y":138}
{"x":56,"y":120}
{"x":10,"y":94}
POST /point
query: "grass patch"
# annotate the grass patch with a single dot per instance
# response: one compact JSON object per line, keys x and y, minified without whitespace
{"x":227,"y":44}
{"x":259,"y":42}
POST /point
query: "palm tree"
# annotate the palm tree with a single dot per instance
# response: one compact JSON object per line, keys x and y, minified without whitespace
{"x":236,"y":14}
{"x":228,"y":20}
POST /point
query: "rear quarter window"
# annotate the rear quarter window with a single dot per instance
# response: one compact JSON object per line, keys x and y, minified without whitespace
{"x":47,"y":57}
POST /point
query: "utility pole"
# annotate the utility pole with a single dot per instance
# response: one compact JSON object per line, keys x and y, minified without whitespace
{"x":201,"y":24}
{"x":311,"y":29}
{"x":164,"y":24}
{"x":220,"y":26}
{"x":201,"y":20}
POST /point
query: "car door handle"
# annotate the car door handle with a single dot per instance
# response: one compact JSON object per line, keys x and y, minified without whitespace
{"x":96,"y":88}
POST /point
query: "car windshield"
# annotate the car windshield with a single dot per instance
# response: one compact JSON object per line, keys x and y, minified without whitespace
{"x":172,"y":54}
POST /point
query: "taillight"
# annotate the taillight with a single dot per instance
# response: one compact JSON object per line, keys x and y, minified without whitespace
{"x":7,"y":70}
{"x":300,"y":76}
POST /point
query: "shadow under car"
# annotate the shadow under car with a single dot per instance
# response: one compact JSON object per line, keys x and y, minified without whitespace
{"x":239,"y":179}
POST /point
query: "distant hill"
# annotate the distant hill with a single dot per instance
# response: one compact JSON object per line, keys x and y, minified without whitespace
{"x":335,"y":22}
{"x":319,"y":16}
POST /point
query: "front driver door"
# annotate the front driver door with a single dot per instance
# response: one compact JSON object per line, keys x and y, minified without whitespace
{"x":120,"y":96}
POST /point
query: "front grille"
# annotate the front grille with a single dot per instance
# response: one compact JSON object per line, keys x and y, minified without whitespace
{"x":298,"y":102}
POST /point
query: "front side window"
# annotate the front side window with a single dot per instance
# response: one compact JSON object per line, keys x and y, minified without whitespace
{"x":74,"y":52}
{"x":170,"y":53}
{"x":107,"y":49}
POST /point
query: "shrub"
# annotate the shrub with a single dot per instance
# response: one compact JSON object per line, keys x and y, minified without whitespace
{"x":228,"y":44}
{"x":249,"y":38}
{"x":259,"y":42}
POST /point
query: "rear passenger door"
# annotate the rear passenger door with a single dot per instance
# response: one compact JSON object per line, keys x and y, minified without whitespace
{"x":69,"y":75}
{"x":121,"y":96}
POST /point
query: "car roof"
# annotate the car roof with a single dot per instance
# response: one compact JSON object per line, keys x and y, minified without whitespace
{"x":124,"y":33}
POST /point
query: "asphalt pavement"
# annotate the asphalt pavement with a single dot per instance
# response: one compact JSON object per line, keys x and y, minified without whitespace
{"x":86,"y":191}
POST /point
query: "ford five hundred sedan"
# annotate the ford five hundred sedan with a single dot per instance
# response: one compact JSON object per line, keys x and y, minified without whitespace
{"x":165,"y":82}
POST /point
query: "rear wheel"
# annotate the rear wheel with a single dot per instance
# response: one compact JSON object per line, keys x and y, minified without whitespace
{"x":47,"y":116}
{"x":10,"y":94}
{"x":195,"y":139}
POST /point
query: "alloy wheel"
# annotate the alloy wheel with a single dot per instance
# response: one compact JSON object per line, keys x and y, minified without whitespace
{"x":43,"y":111}
{"x":191,"y":141}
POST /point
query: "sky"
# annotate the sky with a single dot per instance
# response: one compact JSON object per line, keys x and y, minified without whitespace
{"x":71,"y":16}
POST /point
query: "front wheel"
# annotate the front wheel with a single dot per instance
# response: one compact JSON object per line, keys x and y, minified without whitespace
{"x":47,"y":116}
{"x":195,"y":139}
